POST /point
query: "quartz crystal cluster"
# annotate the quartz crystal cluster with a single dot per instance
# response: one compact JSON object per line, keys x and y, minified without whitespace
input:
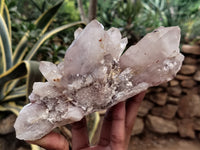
{"x":95,"y":75}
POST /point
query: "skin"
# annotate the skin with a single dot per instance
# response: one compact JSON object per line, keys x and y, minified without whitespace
{"x":115,"y":133}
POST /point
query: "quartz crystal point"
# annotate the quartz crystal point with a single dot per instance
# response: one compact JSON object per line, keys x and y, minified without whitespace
{"x":94,"y":76}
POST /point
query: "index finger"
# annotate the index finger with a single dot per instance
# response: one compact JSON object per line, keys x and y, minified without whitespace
{"x":53,"y":141}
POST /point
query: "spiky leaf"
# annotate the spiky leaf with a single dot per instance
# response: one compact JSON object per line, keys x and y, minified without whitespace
{"x":46,"y":36}
{"x":42,"y":23}
{"x":6,"y":48}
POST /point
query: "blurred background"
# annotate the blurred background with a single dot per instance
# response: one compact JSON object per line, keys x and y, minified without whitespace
{"x":35,"y":30}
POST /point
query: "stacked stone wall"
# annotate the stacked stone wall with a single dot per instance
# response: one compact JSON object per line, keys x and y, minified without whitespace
{"x":174,"y":107}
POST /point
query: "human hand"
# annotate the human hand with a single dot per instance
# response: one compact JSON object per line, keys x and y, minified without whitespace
{"x":115,"y":133}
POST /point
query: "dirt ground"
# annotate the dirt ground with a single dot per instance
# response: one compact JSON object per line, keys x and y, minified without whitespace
{"x":167,"y":142}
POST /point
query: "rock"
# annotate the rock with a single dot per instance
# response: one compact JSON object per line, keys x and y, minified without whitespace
{"x":160,"y":125}
{"x":95,"y":76}
{"x":164,"y":85}
{"x":197,"y":76}
{"x":3,"y":144}
{"x":182,"y":77}
{"x":188,"y":83}
{"x":190,"y":61}
{"x":174,"y":83}
{"x":157,"y":89}
{"x":197,"y":124}
{"x":174,"y":91}
{"x":8,"y":142}
{"x":172,"y":100}
{"x":144,"y":108}
{"x":191,"y":49}
{"x":185,"y":128}
{"x":6,"y":124}
{"x":159,"y":98}
{"x":168,"y":111}
{"x":188,"y":70}
{"x":188,"y":91}
{"x":189,"y":106}
{"x":138,"y":126}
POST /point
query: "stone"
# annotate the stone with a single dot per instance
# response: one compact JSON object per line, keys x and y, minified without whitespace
{"x":185,"y":128}
{"x":174,"y":83}
{"x":188,"y":91}
{"x":164,"y":85}
{"x":138,"y":126}
{"x":95,"y":76}
{"x":172,"y":100}
{"x":6,"y":124}
{"x":190,"y":61}
{"x":144,"y":108}
{"x":168,"y":111}
{"x":197,"y":76}
{"x":188,"y":69}
{"x":8,"y":142}
{"x":160,"y":125}
{"x":174,"y":91}
{"x":189,"y":105}
{"x":182,"y":77}
{"x":191,"y":49}
{"x":188,"y":83}
{"x":3,"y":144}
{"x":159,"y":98}
{"x":197,"y":124}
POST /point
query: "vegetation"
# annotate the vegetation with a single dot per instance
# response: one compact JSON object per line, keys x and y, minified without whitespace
{"x":137,"y":17}
{"x":32,"y":36}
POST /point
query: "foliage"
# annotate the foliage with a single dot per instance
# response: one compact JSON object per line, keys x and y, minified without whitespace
{"x":171,"y":13}
{"x":121,"y":14}
{"x":18,"y":72}
{"x":137,"y":17}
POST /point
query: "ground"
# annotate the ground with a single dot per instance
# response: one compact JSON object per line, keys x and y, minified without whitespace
{"x":163,"y":142}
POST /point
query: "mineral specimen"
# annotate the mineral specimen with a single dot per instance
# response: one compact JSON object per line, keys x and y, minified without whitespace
{"x":94,"y":76}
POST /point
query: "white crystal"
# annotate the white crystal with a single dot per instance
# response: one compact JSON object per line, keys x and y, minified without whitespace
{"x":93,"y":76}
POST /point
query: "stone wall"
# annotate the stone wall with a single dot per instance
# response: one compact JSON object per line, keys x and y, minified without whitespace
{"x":174,"y":107}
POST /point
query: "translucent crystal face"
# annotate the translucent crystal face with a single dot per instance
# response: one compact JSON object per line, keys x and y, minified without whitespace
{"x":95,"y":76}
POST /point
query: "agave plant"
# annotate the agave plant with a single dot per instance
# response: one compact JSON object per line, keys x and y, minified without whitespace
{"x":17,"y":69}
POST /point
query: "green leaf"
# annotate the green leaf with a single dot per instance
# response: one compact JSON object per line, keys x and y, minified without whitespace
{"x":42,"y":23}
{"x":11,"y":106}
{"x":28,"y":69}
{"x":6,"y":17}
{"x":33,"y":51}
{"x":2,"y":59}
{"x":46,"y":18}
{"x":35,"y":147}
{"x":1,"y":6}
{"x":16,"y":72}
{"x":6,"y":50}
{"x":18,"y":94}
{"x":34,"y":75}
{"x":93,"y":122}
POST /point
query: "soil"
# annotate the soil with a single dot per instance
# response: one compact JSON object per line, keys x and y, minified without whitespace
{"x":162,"y":142}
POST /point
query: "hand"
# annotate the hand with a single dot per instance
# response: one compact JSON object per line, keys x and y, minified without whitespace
{"x":115,"y":133}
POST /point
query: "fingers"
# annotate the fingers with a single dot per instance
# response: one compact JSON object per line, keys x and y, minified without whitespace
{"x":52,"y":141}
{"x":132,"y":106}
{"x":106,"y":129}
{"x":118,"y":125}
{"x":79,"y":135}
{"x":113,"y":132}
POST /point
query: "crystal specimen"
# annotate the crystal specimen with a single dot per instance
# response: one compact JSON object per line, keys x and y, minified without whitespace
{"x":94,"y":76}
